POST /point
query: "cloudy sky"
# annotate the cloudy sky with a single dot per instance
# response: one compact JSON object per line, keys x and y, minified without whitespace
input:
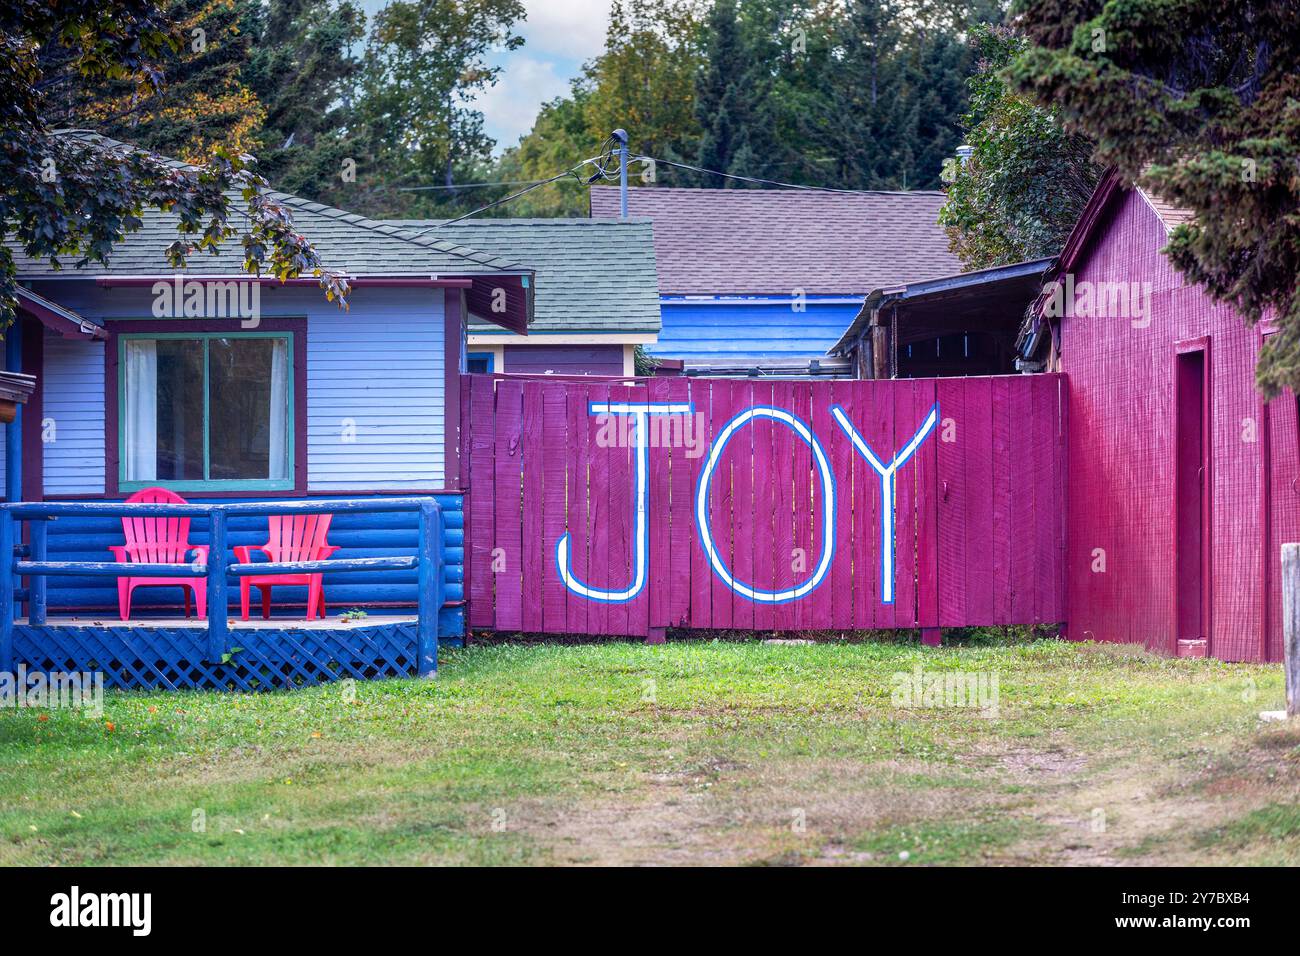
{"x":559,"y":35}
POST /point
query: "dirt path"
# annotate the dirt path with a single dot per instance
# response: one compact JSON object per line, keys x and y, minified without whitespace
{"x":1075,"y":808}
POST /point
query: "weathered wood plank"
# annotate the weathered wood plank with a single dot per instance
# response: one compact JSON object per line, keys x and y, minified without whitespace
{"x":508,"y":494}
{"x":533,"y":444}
{"x":556,"y":447}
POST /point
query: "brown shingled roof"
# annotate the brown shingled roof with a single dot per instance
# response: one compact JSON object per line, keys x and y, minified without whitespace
{"x":773,"y":241}
{"x":1172,"y":216}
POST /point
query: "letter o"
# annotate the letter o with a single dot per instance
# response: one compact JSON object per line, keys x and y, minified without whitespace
{"x":702,"y":491}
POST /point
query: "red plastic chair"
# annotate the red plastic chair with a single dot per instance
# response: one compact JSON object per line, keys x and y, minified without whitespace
{"x":293,"y":538}
{"x":158,"y":541}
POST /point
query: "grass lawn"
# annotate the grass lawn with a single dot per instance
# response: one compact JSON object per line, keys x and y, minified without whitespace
{"x":693,"y":752}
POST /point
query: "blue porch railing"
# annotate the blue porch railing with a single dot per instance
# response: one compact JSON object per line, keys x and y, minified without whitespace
{"x":31,"y":560}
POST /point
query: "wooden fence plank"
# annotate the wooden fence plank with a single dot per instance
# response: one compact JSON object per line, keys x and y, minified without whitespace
{"x":981,"y":608}
{"x":600,"y":503}
{"x":578,"y":514}
{"x":803,"y":554}
{"x":741,"y":451}
{"x":1046,"y":504}
{"x":878,"y":417}
{"x":721,"y":519}
{"x":953,"y":441}
{"x":661,"y":435}
{"x":533,"y":441}
{"x":636,"y":620}
{"x":821,"y":601}
{"x":763,"y":563}
{"x":926,"y":460}
{"x":907,"y":417}
{"x":688,"y":447}
{"x":783,"y":525}
{"x":842,"y":456}
{"x":866,"y":506}
{"x":1023,"y":478}
{"x":1004,"y":470}
{"x":556,"y":449}
{"x":508,"y":494}
{"x":701,"y":573}
{"x":482,"y":502}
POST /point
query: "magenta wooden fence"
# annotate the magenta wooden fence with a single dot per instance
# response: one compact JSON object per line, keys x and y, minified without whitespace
{"x":556,"y":470}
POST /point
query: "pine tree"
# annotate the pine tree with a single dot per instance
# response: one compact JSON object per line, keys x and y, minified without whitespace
{"x":302,"y":69}
{"x":1197,"y":101}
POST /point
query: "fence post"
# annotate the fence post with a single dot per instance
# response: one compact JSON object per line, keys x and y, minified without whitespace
{"x":1291,"y":625}
{"x":217,"y":602}
{"x":430,"y":588}
{"x":6,"y":591}
{"x":37,"y":588}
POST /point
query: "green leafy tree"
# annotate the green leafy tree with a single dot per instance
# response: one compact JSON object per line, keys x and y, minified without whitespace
{"x":1027,"y":179}
{"x":1199,"y":102}
{"x":644,"y":81}
{"x":425,"y":62}
{"x":201,"y":102}
{"x":302,"y":69}
{"x":68,"y":198}
{"x":558,"y":140}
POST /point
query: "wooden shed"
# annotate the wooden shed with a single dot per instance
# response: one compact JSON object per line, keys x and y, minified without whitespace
{"x":1183,"y":481}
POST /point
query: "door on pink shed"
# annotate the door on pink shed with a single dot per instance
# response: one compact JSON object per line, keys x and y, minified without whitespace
{"x":1191,"y":502}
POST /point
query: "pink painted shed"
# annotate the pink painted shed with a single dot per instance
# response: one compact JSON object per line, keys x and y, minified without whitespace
{"x":1182,"y":482}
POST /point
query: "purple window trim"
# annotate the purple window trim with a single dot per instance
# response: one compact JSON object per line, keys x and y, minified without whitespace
{"x":451,"y":348}
{"x":298,"y":326}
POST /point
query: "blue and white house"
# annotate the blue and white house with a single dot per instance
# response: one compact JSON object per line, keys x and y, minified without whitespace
{"x":241,"y":394}
{"x":764,"y":281}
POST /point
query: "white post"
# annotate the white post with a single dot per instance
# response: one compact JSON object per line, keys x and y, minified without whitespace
{"x":1291,"y":625}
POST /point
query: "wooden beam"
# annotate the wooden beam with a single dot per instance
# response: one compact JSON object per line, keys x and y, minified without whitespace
{"x":1291,"y":626}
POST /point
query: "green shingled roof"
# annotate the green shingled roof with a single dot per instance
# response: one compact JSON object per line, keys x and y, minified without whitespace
{"x":592,"y":275}
{"x":345,"y":241}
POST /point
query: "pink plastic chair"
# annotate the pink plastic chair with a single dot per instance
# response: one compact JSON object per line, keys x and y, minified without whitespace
{"x":159,"y":541}
{"x":293,"y":538}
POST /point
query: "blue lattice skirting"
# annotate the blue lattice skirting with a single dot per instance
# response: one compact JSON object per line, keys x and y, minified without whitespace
{"x":262,"y":659}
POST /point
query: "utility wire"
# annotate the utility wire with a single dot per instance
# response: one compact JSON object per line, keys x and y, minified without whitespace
{"x":505,"y":182}
{"x":767,"y":182}
{"x":601,"y":172}
{"x":541,"y":182}
{"x":606,"y":167}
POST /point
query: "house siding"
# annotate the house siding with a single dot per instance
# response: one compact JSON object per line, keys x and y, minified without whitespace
{"x":375,"y":387}
{"x":73,"y":410}
{"x":1121,"y":457}
{"x":565,"y":359}
{"x":758,"y":330}
{"x":375,"y":395}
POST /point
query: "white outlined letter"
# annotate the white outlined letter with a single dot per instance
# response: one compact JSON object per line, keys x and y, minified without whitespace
{"x":795,"y":424}
{"x":640,"y":412}
{"x":887,"y":475}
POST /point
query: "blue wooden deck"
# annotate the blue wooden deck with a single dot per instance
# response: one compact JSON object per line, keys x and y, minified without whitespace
{"x":174,"y":653}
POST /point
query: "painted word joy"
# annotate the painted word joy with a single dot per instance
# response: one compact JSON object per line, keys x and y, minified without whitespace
{"x":639,"y":415}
